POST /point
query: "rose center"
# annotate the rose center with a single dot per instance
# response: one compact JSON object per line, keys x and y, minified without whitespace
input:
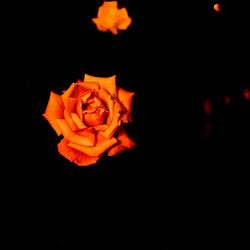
{"x":94,"y":112}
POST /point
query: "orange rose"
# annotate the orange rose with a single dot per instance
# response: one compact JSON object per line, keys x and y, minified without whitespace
{"x":89,"y":115}
{"x":110,"y":18}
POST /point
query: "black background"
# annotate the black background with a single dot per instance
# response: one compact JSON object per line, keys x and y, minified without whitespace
{"x":173,"y":57}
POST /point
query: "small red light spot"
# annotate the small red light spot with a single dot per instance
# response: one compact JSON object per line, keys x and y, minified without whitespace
{"x":207,"y":106}
{"x":217,"y":7}
{"x":227,"y":100}
{"x":246,"y":94}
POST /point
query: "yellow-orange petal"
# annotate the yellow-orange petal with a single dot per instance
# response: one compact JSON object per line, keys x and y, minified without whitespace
{"x":107,"y":12}
{"x":124,"y":19}
{"x":74,"y":155}
{"x":115,"y":122}
{"x":78,"y":121}
{"x":101,"y":127}
{"x":70,"y":107}
{"x":90,"y":85}
{"x":114,"y":30}
{"x":69,"y":153}
{"x":54,"y":110}
{"x":102,"y":144}
{"x":78,"y":91}
{"x":70,"y":104}
{"x":78,"y":109}
{"x":86,"y":131}
{"x":88,"y":140}
{"x":70,"y":121}
{"x":106,"y":98}
{"x":86,"y":160}
{"x":108,"y":83}
{"x":124,"y":142}
{"x":126,"y":98}
{"x":85,"y":98}
{"x":66,"y":94}
{"x":110,"y":4}
{"x":99,"y":25}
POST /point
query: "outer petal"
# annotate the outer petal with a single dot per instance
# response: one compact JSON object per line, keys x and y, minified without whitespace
{"x":101,"y":146}
{"x":124,"y":142}
{"x":99,"y":25}
{"x":114,"y":30}
{"x":107,"y":13}
{"x":54,"y":110}
{"x":111,"y":4}
{"x":70,"y":121}
{"x":70,"y":104}
{"x":115,"y":122}
{"x":108,"y":101}
{"x":108,"y":83}
{"x":79,"y":91}
{"x":78,"y":109}
{"x":86,"y":140}
{"x":90,"y":85}
{"x":78,"y":121}
{"x":125,"y":20}
{"x":74,"y":155}
{"x":126,"y":98}
{"x":66,"y":94}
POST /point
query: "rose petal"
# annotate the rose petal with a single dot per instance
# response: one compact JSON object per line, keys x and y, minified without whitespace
{"x":115,"y":122}
{"x":126,"y":98}
{"x":125,"y":20}
{"x":107,"y":13}
{"x":79,"y":91}
{"x":101,"y":146}
{"x":94,"y":86}
{"x":86,"y":130}
{"x":88,"y":140}
{"x":86,"y":160}
{"x":99,"y":24}
{"x":110,"y":4}
{"x":79,"y":109}
{"x":54,"y":110}
{"x":108,"y":101}
{"x":101,"y":127}
{"x":70,"y":106}
{"x":108,"y":133}
{"x":78,"y":121}
{"x":108,"y":83}
{"x":69,"y":153}
{"x":86,"y":97}
{"x":90,"y":110}
{"x":124,"y":142}
{"x":70,"y":121}
{"x":114,"y":30}
{"x":66,"y":94}
{"x":74,"y":155}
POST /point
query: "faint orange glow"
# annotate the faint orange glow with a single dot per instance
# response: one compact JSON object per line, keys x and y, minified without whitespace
{"x":110,"y":18}
{"x":246,"y":94}
{"x":217,"y":7}
{"x":227,"y":100}
{"x":207,"y":106}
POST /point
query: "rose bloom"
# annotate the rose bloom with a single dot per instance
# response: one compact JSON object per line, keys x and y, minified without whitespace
{"x":89,"y":115}
{"x":110,"y":18}
{"x":216,"y":7}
